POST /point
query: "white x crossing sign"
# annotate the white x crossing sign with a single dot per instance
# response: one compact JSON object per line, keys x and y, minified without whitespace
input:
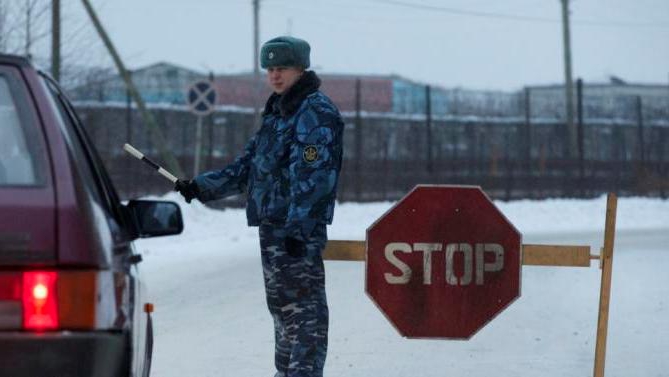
{"x":201,"y":98}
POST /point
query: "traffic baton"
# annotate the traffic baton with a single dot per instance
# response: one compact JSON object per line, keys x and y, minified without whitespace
{"x":139,"y":155}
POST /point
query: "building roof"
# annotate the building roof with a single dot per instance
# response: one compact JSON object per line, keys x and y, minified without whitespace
{"x":157,"y":65}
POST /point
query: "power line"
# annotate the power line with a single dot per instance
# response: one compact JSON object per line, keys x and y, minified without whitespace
{"x":465,"y":12}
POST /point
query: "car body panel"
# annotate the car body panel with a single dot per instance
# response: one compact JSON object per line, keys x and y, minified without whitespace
{"x":97,"y":354}
{"x":71,"y":223}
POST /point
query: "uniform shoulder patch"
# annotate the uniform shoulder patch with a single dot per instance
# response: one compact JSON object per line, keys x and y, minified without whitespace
{"x":310,"y":154}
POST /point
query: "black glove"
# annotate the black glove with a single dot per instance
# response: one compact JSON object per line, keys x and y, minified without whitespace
{"x":295,"y":247}
{"x":187,"y":189}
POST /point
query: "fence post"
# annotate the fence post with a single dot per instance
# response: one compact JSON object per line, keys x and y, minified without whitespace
{"x":428,"y":125}
{"x":526,"y":138}
{"x":386,"y":170}
{"x":358,"y":142}
{"x":508,"y":167}
{"x":620,"y":157}
{"x":128,"y":115}
{"x":129,"y":190}
{"x":640,"y":141}
{"x":184,"y":138}
{"x":661,"y":163}
{"x":210,"y":148}
{"x":581,"y":151}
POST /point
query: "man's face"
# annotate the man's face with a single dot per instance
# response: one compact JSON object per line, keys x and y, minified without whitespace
{"x":280,"y":79}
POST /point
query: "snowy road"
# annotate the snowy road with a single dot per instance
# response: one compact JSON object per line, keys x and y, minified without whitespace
{"x":211,"y":318}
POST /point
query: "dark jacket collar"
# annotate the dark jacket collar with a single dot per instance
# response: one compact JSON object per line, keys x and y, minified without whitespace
{"x":288,"y":103}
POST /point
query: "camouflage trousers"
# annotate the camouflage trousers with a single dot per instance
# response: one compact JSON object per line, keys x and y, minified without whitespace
{"x":295,"y":289}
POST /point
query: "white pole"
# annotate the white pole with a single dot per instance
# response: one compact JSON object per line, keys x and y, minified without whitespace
{"x":198,"y":146}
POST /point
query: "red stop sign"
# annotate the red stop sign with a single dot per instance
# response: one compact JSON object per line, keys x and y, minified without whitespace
{"x":442,"y":262}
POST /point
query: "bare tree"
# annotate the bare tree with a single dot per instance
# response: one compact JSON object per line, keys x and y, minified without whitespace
{"x":8,"y":28}
{"x":22,"y":25}
{"x":36,"y":13}
{"x":82,"y":56}
{"x":3,"y":26}
{"x":25,"y":28}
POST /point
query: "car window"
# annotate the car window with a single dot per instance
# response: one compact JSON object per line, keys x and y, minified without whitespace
{"x":95,"y":176}
{"x":18,"y":158}
{"x":75,"y":146}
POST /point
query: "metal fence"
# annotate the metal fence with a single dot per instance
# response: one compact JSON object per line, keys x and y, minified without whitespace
{"x":387,"y":154}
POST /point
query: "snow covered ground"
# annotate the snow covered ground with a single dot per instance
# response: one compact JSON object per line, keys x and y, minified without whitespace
{"x":211,"y":318}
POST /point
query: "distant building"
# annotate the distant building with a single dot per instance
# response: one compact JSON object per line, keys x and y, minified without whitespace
{"x":616,"y":99}
{"x":382,"y":94}
{"x":158,"y":83}
{"x":616,"y":87}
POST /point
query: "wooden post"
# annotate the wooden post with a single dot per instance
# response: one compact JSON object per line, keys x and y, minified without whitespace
{"x":605,"y":290}
{"x":130,"y":167}
{"x":154,"y":130}
{"x":533,"y":255}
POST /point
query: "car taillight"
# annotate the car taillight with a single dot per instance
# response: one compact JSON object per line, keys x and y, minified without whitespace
{"x":39,"y":301}
{"x":57,"y":300}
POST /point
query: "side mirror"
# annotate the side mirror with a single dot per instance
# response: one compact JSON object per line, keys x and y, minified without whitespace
{"x":156,"y":218}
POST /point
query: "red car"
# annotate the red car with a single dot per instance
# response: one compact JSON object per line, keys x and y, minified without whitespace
{"x":71,"y":299}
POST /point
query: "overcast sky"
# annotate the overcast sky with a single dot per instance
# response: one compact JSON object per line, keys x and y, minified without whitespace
{"x":479,"y":44}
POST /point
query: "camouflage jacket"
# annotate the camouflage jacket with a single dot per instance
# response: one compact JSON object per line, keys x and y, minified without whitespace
{"x":290,"y":167}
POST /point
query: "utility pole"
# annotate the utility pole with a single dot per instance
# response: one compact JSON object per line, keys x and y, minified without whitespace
{"x":29,"y":18}
{"x":55,"y":39}
{"x":157,"y":137}
{"x":256,"y":37}
{"x":569,"y":85}
{"x":256,"y":69}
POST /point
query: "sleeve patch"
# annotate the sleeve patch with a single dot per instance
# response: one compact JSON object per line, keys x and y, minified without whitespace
{"x":310,"y":154}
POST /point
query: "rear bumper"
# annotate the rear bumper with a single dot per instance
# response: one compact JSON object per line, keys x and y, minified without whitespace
{"x":64,"y":354}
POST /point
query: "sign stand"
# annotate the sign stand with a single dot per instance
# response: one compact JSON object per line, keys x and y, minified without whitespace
{"x":201,"y":98}
{"x":198,"y":145}
{"x":605,"y":291}
{"x":538,"y":255}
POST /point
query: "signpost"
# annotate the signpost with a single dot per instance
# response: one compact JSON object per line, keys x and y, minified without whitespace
{"x":201,"y":98}
{"x":443,"y":262}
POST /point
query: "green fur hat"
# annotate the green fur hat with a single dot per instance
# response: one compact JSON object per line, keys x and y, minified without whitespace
{"x":285,"y":52}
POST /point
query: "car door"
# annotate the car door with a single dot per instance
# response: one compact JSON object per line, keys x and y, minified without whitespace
{"x":130,"y":289}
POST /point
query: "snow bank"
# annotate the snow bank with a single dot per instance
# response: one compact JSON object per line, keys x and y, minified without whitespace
{"x":529,"y":216}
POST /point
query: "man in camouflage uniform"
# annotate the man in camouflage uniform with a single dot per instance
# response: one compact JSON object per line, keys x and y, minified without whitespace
{"x":289,"y":171}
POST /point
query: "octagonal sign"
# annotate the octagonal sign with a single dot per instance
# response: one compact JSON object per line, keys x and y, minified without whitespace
{"x":443,"y":262}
